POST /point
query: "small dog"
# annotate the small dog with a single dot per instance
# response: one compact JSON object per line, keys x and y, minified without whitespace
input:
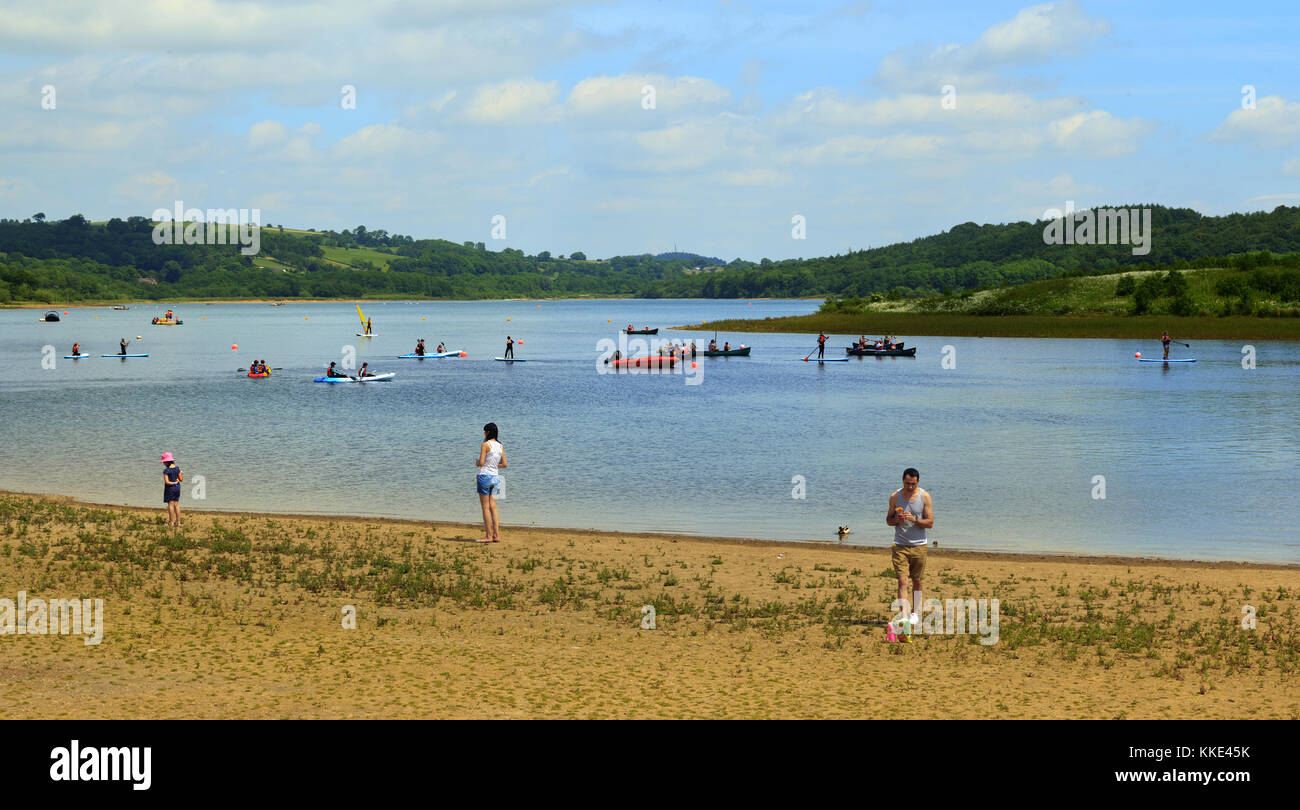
{"x":844,"y":531}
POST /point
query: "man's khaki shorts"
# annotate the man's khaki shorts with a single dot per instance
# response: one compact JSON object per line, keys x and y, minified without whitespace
{"x":909,"y":560}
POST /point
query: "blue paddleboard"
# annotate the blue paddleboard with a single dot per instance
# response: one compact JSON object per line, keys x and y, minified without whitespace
{"x":124,"y":355}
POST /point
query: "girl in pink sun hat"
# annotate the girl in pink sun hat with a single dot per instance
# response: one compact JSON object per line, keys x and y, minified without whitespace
{"x":172,"y":479}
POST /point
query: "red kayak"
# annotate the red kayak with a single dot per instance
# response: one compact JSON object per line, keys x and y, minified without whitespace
{"x":654,"y":361}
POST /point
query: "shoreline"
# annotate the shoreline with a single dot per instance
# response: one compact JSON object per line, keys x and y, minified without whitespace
{"x":1080,"y":327}
{"x":672,"y":537}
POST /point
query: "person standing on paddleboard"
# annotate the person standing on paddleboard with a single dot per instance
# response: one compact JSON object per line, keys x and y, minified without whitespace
{"x":821,"y":345}
{"x":510,"y":346}
{"x":910,"y":513}
{"x":172,"y":489}
{"x":1165,"y":339}
{"x":123,"y":349}
{"x":491,"y":459}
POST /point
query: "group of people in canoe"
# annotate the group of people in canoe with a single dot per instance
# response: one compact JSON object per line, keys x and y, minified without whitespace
{"x":713,"y":346}
{"x":887,"y":342}
{"x":420,"y":350}
{"x":337,"y":373}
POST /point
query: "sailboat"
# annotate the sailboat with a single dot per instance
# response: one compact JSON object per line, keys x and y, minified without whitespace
{"x":365,"y":324}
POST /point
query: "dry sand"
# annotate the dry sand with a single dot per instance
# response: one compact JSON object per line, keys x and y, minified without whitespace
{"x":241,"y":616}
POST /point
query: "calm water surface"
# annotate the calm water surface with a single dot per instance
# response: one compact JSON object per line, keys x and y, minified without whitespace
{"x":1199,"y":461}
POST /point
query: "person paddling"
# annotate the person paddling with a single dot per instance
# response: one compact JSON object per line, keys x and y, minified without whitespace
{"x":491,"y":459}
{"x":442,"y":348}
{"x":76,"y":350}
{"x":419,"y":348}
{"x":332,"y":372}
{"x":510,"y":346}
{"x":364,"y":371}
{"x":821,"y":345}
{"x":172,"y":479}
{"x":1165,"y":340}
{"x":122,"y":351}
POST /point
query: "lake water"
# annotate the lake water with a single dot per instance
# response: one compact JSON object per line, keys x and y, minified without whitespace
{"x":1199,"y":461}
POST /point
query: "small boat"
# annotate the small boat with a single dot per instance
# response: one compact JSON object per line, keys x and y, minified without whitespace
{"x":165,"y":322}
{"x":743,"y":351}
{"x":375,"y":378}
{"x":653,"y":361}
{"x":277,"y":304}
{"x":50,"y":317}
{"x":119,"y":306}
{"x":881,"y":352}
{"x":654,"y":331}
{"x":433,"y":355}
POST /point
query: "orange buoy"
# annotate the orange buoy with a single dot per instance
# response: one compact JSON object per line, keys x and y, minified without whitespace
{"x":234,"y":347}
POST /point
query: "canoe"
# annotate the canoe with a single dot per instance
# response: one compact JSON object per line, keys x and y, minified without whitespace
{"x":653,"y":361}
{"x":881,"y":352}
{"x":263,"y":374}
{"x":377,"y":378}
{"x":1158,"y":360}
{"x":124,"y":355}
{"x":741,"y":352}
{"x":414,"y":356}
{"x":654,"y":331}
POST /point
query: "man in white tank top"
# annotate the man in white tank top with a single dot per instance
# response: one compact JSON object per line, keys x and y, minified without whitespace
{"x":910,"y":513}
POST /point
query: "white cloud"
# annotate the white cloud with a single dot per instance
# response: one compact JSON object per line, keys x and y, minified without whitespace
{"x":1036,"y":34}
{"x":513,"y":102}
{"x":1098,"y":134}
{"x":1273,"y":122}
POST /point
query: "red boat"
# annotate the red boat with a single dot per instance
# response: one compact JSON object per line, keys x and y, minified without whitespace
{"x":654,"y":361}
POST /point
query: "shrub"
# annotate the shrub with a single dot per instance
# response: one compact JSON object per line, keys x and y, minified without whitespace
{"x":1125,"y":286}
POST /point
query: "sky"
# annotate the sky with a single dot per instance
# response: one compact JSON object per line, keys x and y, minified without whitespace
{"x":730,"y":129}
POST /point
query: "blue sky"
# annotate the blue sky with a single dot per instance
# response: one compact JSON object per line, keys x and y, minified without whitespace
{"x":535,"y":111}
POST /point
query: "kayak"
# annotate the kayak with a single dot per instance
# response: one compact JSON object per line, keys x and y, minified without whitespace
{"x":79,"y":356}
{"x":881,"y":352}
{"x":1158,"y":360}
{"x":653,"y":361}
{"x":509,"y":360}
{"x":654,"y":331}
{"x":263,"y":374}
{"x":124,"y":355}
{"x":456,"y":353}
{"x":741,"y":352}
{"x":161,"y":322}
{"x":377,"y":378}
{"x":827,"y":360}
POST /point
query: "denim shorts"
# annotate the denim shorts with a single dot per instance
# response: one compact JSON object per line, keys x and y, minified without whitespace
{"x":489,"y":485}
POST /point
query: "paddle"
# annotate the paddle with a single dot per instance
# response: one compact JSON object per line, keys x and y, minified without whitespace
{"x":1180,"y":343}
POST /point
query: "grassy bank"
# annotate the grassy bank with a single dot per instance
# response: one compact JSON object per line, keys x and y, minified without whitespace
{"x":239,"y":615}
{"x":1145,"y":327}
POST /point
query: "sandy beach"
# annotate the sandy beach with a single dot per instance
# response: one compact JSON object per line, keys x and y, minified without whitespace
{"x":241,"y":616}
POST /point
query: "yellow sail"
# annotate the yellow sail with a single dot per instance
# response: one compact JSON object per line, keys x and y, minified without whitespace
{"x":362,"y":317}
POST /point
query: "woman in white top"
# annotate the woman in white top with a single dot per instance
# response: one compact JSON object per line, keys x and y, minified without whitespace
{"x":491,"y":457}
